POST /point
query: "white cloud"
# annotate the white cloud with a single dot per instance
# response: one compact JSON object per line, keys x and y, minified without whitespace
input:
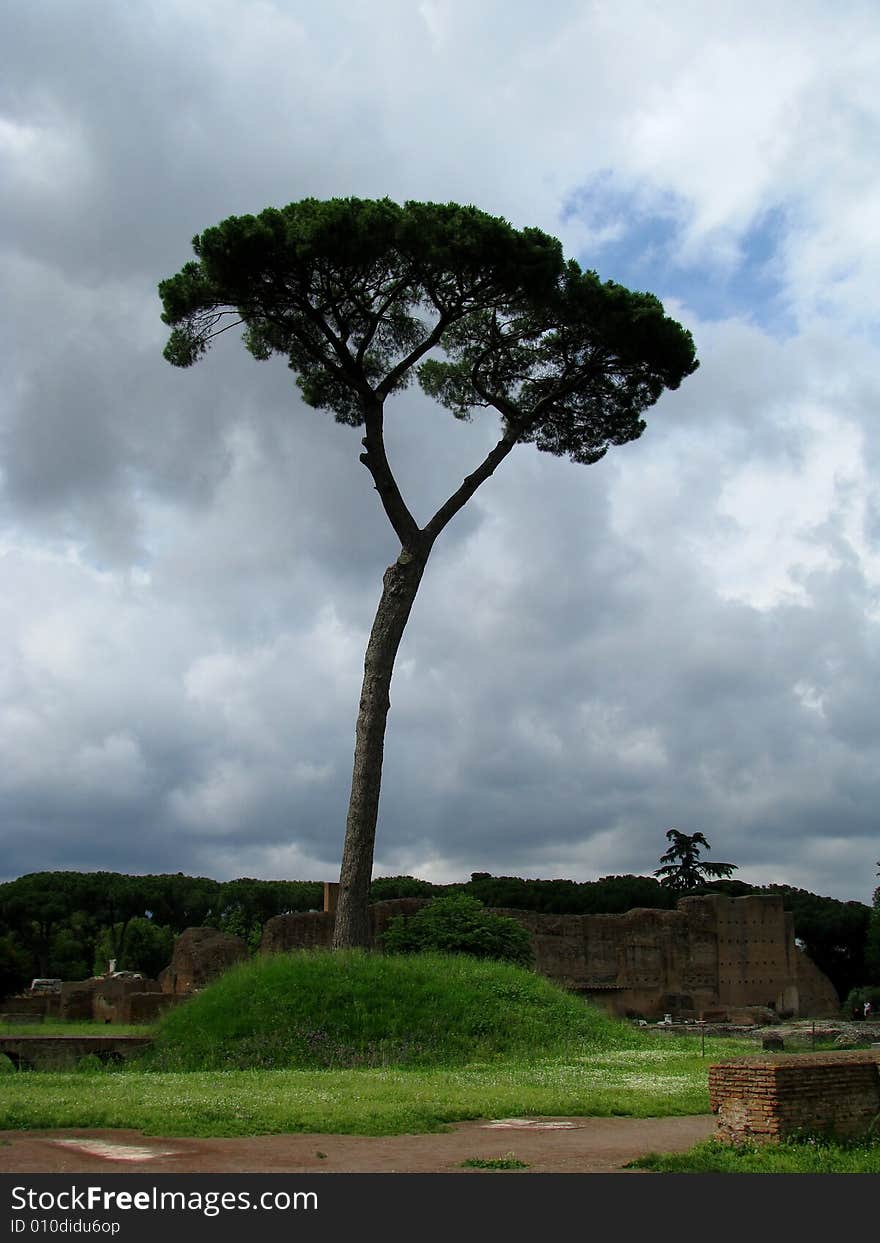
{"x":684,"y":634}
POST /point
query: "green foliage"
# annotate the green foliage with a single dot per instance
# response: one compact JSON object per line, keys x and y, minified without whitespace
{"x":385,"y":887}
{"x":341,"y":288}
{"x":459,"y":924}
{"x":313,"y":1009}
{"x":68,"y":924}
{"x":608,"y":896}
{"x":872,"y":942}
{"x":578,"y":367}
{"x":15,"y":966}
{"x":856,"y":998}
{"x":682,"y":869}
{"x":67,"y":959}
{"x":147,"y":948}
{"x":804,"y":1156}
{"x":507,"y":1162}
{"x":354,"y":293}
{"x":245,"y":905}
{"x":36,"y":906}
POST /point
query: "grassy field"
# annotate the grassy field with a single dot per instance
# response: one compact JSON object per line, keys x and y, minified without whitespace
{"x":657,"y":1078}
{"x":372,"y":1045}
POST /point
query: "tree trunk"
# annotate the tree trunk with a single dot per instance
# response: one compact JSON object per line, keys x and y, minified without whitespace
{"x":400,"y":585}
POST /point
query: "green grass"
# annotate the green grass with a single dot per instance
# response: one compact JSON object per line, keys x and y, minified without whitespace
{"x":808,"y":1156}
{"x":372,"y":1045}
{"x":658,"y":1077}
{"x":67,"y":1027}
{"x":311,"y":1010}
{"x":507,"y":1162}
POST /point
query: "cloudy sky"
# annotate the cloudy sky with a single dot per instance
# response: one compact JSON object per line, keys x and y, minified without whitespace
{"x":685,"y":634}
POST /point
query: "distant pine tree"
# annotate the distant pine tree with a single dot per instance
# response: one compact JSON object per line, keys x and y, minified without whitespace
{"x":681,"y":868}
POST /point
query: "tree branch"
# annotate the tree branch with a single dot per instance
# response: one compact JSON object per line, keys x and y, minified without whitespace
{"x":375,"y":319}
{"x":470,"y":484}
{"x":376,"y":461}
{"x":433,"y":337}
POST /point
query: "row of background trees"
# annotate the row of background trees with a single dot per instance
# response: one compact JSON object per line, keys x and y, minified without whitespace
{"x":70,"y":924}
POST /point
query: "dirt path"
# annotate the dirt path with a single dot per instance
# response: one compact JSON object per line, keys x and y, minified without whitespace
{"x":546,"y":1145}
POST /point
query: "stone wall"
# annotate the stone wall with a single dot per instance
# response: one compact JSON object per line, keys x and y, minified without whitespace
{"x":110,"y":998}
{"x":755,"y":952}
{"x":816,"y":994}
{"x":764,"y":1099}
{"x":712,"y":955}
{"x":37,"y":1006}
{"x":145,"y":1007}
{"x":200,"y":955}
{"x":314,"y":929}
{"x":78,"y":998}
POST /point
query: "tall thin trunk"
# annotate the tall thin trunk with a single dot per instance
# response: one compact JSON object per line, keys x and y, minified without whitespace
{"x":399,"y":588}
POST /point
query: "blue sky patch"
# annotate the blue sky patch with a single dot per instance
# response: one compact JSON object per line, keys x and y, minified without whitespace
{"x":638,"y":245}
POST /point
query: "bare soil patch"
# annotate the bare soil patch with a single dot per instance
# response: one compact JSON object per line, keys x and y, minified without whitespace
{"x":546,"y":1145}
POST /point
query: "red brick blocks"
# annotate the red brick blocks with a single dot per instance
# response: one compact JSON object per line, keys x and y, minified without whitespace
{"x":772,"y":1098}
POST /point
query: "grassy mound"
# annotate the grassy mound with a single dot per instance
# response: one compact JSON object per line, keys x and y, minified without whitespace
{"x":313,"y":1009}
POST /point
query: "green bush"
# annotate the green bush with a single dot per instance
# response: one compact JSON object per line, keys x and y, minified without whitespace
{"x":857,"y":997}
{"x":459,"y":924}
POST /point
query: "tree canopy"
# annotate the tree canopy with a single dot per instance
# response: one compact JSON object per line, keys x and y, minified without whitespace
{"x":681,"y":867}
{"x":355,"y":293}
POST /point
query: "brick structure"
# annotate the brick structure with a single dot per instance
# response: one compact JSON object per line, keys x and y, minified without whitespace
{"x":78,"y":999}
{"x":200,"y":955}
{"x":761,"y":1099}
{"x":130,"y":1001}
{"x":726,"y":957}
{"x":314,"y":929}
{"x":111,"y":997}
{"x":36,"y":1007}
{"x":146,"y":1007}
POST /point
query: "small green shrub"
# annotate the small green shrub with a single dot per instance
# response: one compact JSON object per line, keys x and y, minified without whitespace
{"x":459,"y":924}
{"x":507,"y":1162}
{"x":89,"y":1063}
{"x":857,"y":997}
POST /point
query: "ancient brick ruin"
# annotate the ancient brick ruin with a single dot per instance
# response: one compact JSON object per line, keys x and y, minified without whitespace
{"x":713,"y":957}
{"x":200,"y":955}
{"x":774,"y":1098}
{"x":101,"y":999}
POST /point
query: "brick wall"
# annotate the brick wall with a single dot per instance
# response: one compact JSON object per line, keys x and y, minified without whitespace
{"x":314,"y":929}
{"x":770,"y":1098}
{"x":710,"y":952}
